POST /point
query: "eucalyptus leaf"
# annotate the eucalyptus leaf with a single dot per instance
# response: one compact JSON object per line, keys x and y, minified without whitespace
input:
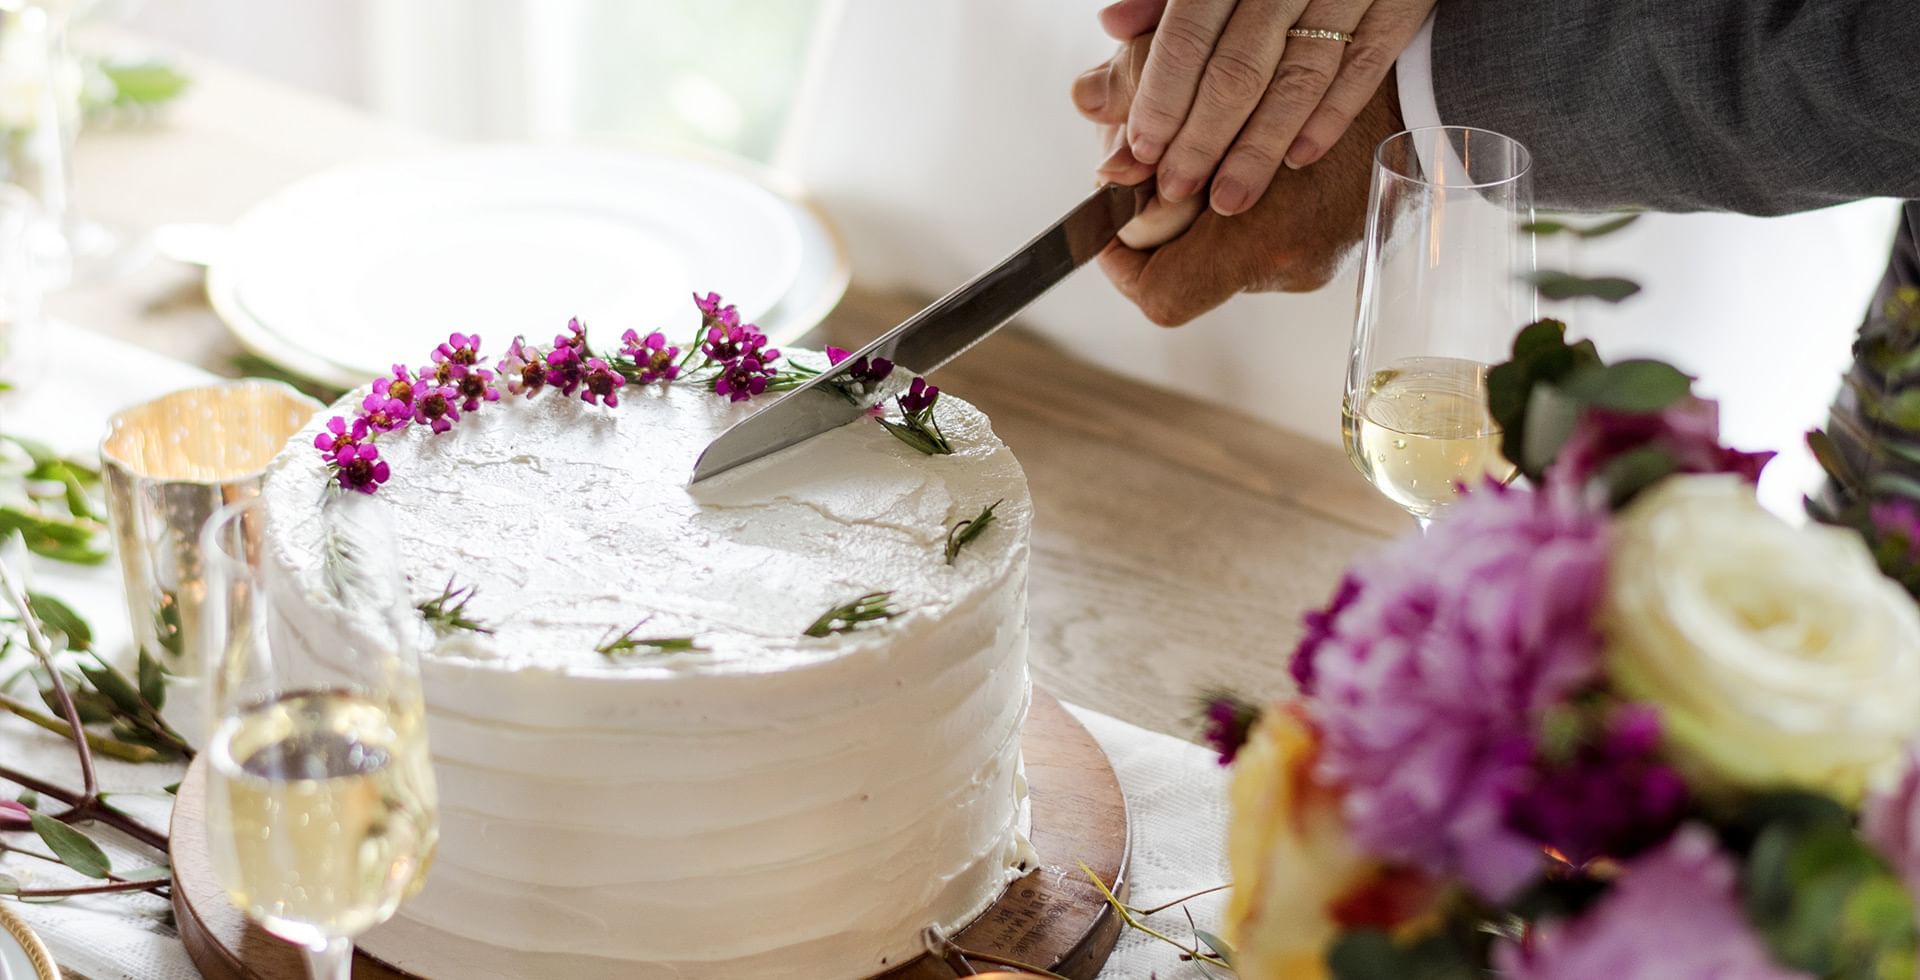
{"x":60,"y":618}
{"x":28,"y":798}
{"x":1551,"y":416}
{"x":1890,"y":484}
{"x":1830,"y":458}
{"x":1547,"y":226}
{"x":111,"y":683}
{"x":74,"y":849}
{"x":1629,"y":386}
{"x":1562,"y":286}
{"x":1216,"y":944}
{"x":158,"y":872}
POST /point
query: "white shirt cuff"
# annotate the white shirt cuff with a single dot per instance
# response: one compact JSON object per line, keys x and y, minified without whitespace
{"x":1415,"y":73}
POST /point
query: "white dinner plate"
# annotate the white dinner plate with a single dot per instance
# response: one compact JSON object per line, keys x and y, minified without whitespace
{"x":22,"y":955}
{"x":346,"y":272}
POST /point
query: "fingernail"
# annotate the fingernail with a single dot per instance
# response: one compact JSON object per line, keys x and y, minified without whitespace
{"x":1177,"y":187}
{"x":1230,"y":197}
{"x":1147,"y":150}
{"x":1302,"y":152}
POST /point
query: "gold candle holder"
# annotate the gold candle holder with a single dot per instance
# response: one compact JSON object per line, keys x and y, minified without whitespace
{"x":168,"y":465}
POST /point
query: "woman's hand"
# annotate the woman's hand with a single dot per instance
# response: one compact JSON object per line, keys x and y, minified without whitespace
{"x":1225,"y":94}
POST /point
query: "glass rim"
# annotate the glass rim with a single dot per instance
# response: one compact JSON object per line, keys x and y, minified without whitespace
{"x":1380,"y":163}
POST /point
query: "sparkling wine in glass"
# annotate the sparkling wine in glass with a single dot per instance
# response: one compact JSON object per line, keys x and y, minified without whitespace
{"x":321,"y":809}
{"x":1442,"y":292}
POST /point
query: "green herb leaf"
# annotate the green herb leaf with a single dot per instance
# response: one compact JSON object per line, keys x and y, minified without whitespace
{"x":143,"y":83}
{"x":1629,"y":386}
{"x":1550,"y":227}
{"x":918,"y":436}
{"x":153,"y":681}
{"x":1561,"y":285}
{"x":447,"y":612}
{"x":626,"y":642}
{"x":872,"y":607}
{"x":1218,"y":945}
{"x":171,"y":789}
{"x":74,"y":849}
{"x":60,"y":618}
{"x":964,"y":532}
{"x":1832,"y":460}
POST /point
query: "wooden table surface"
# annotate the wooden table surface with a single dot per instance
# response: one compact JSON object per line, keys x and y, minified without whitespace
{"x":1176,"y":543}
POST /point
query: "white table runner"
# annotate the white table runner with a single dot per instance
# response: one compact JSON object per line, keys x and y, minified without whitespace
{"x":71,"y":380}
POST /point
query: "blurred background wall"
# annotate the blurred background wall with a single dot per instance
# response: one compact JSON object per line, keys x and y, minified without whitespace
{"x":939,"y":136}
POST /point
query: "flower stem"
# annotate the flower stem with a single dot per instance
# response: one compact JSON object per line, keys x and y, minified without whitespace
{"x":84,"y":810}
{"x":117,"y":886}
{"x":1182,"y":900}
{"x":37,"y":642}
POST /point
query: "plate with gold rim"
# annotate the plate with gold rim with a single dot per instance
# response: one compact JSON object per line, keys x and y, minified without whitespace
{"x":22,"y":955}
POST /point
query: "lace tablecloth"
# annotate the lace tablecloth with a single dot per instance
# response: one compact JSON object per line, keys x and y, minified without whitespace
{"x":1175,"y":793}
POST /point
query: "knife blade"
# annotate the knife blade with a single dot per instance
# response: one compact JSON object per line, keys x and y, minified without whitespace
{"x":929,"y":339}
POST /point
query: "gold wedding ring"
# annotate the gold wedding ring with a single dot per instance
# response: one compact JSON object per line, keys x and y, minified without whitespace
{"x":1319,"y":35}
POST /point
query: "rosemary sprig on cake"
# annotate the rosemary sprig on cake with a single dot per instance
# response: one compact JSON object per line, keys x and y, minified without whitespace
{"x":447,"y":612}
{"x":964,"y":532}
{"x":870,"y":608}
{"x":917,"y":426}
{"x":613,"y":646}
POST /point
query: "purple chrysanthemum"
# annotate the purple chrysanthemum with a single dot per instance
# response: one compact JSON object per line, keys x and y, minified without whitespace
{"x":656,"y":359}
{"x":601,"y":384}
{"x":725,"y":345}
{"x":361,"y":468}
{"x":399,"y":387}
{"x":1675,"y":912}
{"x":716,"y":312}
{"x":566,"y":369}
{"x":1688,"y":431}
{"x":1319,"y":629}
{"x":339,"y":435}
{"x":475,"y":385}
{"x":1227,"y":722}
{"x":864,"y":371}
{"x":1612,"y":797}
{"x":743,"y":378}
{"x":524,"y":370}
{"x":919,"y":398}
{"x":1432,"y":681}
{"x":383,"y":414}
{"x":437,"y":407}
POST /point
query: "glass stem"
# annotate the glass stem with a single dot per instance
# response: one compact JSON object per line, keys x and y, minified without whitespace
{"x":332,"y":961}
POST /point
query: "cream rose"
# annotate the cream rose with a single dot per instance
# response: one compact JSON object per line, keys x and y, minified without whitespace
{"x":1778,"y":656}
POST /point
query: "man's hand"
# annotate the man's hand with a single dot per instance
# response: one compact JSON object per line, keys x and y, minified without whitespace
{"x":1224,"y":88}
{"x":1294,"y":239}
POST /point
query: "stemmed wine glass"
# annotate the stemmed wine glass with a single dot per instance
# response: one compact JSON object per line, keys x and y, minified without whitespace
{"x":1442,"y":293}
{"x":321,"y":808}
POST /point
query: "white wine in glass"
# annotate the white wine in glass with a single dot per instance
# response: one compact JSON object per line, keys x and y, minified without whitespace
{"x":1443,"y":290}
{"x":321,"y":810}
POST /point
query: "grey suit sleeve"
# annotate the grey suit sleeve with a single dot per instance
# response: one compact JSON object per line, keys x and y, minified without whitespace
{"x":1757,"y":106}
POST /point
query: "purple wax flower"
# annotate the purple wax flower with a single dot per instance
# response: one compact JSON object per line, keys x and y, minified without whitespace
{"x":437,"y":407}
{"x":1674,"y":913}
{"x":524,"y":370}
{"x":657,"y":360}
{"x":565,"y":369}
{"x":1890,"y":821}
{"x":383,"y":414}
{"x":14,"y":816}
{"x":574,"y":339}
{"x":714,"y":311}
{"x":475,"y":385}
{"x":1430,"y":683}
{"x":742,"y":379}
{"x":459,"y":349}
{"x":361,"y":468}
{"x":1688,"y":430}
{"x":864,"y":371}
{"x":1319,"y":629}
{"x":1613,"y":798}
{"x":726,"y":344}
{"x":919,"y":397}
{"x":339,"y":435}
{"x":601,"y":383}
{"x":399,"y":387}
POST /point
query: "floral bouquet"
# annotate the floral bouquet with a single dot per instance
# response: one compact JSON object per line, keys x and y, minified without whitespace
{"x":1619,"y":723}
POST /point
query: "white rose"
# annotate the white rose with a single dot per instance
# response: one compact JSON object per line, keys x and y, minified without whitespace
{"x":1779,"y":656}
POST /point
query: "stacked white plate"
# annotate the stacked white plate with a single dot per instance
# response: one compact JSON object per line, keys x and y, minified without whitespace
{"x":347,"y":272}
{"x":22,"y":957}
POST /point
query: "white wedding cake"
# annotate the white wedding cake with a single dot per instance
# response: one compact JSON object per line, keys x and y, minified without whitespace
{"x":767,"y":804}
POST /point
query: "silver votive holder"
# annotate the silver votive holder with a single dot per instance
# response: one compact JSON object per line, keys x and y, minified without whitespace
{"x":168,"y":465}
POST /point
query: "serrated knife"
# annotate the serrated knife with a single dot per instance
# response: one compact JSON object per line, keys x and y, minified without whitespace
{"x":932,"y":337}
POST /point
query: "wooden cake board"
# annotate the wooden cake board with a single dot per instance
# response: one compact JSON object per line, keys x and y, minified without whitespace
{"x":1053,"y":917}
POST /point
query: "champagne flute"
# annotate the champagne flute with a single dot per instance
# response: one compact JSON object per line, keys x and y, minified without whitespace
{"x":321,"y":808}
{"x":1442,"y":292}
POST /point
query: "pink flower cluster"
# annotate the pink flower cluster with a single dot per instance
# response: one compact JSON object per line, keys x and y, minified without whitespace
{"x":457,"y":382}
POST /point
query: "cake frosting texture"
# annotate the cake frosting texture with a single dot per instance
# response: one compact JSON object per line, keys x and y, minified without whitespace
{"x":769,"y":805}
